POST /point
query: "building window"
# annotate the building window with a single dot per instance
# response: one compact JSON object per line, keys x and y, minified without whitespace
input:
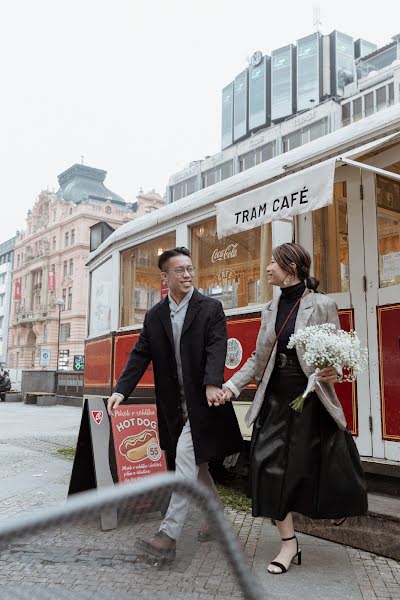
{"x":63,"y":360}
{"x":37,"y":279}
{"x":44,"y":333}
{"x":331,"y":243}
{"x":140,"y":273}
{"x":18,"y":260}
{"x":182,"y":189}
{"x":69,"y":298}
{"x":66,"y":239}
{"x":357,"y":109}
{"x":217,"y":174}
{"x":72,"y":236}
{"x":381,"y":98}
{"x":232,"y":269}
{"x":54,"y":242}
{"x":54,"y":216}
{"x":391,"y":93}
{"x":2,"y":300}
{"x":65,"y":268}
{"x":388,"y":228}
{"x":1,"y":323}
{"x":255,"y":157}
{"x":71,"y":266}
{"x":291,"y":141}
{"x":65,"y":332}
{"x":369,"y":108}
{"x":64,"y":297}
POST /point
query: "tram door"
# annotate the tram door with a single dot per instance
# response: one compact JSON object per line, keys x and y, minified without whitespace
{"x":355,"y":247}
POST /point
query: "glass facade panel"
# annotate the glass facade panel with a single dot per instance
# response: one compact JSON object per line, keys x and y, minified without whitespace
{"x":388,"y":225}
{"x":308,"y":75}
{"x":100,"y":299}
{"x":344,"y":61}
{"x":258,"y":95}
{"x":232,"y":269}
{"x":377,"y":62}
{"x":331,"y":243}
{"x":240,"y":106}
{"x":227,"y":116}
{"x":141,"y":279}
{"x":281,"y":83}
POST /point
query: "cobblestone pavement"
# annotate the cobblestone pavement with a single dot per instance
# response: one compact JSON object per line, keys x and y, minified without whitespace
{"x":81,"y":561}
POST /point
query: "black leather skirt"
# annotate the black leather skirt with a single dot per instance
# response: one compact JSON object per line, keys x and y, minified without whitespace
{"x":302,"y":462}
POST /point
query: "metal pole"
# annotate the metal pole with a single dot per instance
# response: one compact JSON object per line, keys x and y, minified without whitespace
{"x":58,"y":337}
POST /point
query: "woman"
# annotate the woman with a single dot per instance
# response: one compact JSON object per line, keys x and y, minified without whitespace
{"x":304,"y":462}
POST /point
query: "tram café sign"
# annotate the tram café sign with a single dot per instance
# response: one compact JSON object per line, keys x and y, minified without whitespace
{"x":295,"y":194}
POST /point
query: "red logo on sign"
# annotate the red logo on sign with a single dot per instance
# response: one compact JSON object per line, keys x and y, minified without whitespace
{"x":97,"y":416}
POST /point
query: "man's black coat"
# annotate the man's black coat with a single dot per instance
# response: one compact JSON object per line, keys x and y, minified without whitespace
{"x":215,"y":430}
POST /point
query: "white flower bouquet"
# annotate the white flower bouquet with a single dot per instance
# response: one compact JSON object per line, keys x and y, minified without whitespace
{"x":327,"y":346}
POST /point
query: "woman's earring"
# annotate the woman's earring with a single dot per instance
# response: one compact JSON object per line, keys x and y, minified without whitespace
{"x":287,"y":280}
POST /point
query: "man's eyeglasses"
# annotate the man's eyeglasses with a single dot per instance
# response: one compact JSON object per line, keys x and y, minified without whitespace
{"x":181,"y":270}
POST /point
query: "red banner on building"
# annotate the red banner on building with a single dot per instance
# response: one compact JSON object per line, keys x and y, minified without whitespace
{"x":164,"y":289}
{"x":51,"y":281}
{"x":17,"y":293}
{"x":136,"y":442}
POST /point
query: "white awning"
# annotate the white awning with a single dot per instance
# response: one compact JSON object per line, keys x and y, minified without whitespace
{"x":294,"y":194}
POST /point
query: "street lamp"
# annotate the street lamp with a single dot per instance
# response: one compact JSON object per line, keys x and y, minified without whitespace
{"x":60,"y":303}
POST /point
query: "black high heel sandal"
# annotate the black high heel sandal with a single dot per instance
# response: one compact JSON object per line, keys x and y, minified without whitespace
{"x":296,"y":560}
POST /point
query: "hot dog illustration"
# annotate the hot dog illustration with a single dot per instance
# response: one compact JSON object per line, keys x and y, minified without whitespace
{"x":134,"y":447}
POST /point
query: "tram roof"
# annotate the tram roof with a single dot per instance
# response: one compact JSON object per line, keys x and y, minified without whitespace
{"x":353,"y":139}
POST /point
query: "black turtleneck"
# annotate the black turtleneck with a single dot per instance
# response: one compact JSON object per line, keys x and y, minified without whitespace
{"x":289,"y":297}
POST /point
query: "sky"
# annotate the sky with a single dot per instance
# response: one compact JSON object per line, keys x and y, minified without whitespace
{"x":134,"y":86}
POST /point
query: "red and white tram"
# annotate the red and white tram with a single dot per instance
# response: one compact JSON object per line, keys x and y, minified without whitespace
{"x":353,"y":238}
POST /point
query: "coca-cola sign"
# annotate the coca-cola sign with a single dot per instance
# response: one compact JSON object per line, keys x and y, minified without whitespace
{"x":226,"y":254}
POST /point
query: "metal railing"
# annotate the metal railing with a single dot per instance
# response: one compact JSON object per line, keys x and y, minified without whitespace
{"x":31,"y":546}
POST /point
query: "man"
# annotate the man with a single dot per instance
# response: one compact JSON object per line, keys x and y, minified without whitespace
{"x":184,"y":336}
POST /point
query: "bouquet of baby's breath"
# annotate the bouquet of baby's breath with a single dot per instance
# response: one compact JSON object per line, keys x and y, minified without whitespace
{"x":327,"y":346}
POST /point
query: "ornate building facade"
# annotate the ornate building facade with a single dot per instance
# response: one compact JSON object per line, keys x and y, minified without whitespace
{"x":49,"y":267}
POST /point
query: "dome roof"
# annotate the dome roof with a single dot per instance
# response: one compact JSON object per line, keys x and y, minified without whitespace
{"x":81,"y":183}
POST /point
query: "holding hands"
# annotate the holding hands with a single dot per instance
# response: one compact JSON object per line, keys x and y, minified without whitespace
{"x":216,"y":396}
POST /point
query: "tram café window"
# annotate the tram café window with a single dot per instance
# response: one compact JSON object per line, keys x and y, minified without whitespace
{"x":100,"y":299}
{"x":141,"y":279}
{"x":388,"y":222}
{"x":331,"y":243}
{"x":232,"y":269}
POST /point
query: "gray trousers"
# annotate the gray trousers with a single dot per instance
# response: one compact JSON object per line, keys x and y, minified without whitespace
{"x":185,"y":466}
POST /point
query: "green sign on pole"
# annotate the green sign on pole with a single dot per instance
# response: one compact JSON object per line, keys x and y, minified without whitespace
{"x":79,"y":362}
